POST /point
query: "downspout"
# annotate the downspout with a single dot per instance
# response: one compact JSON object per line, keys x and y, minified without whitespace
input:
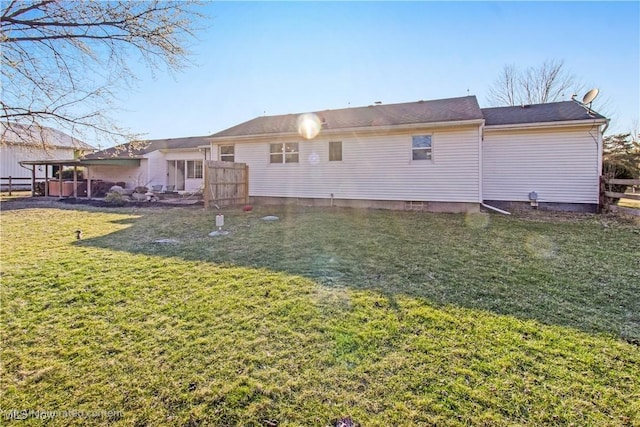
{"x":606,"y":126}
{"x":480,"y":154}
{"x":480,"y":173}
{"x":600,"y":147}
{"x":33,"y":177}
{"x":600,"y":150}
{"x":493,"y":208}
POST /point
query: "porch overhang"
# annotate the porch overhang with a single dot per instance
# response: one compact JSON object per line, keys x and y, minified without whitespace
{"x":75,"y":163}
{"x":83,"y":162}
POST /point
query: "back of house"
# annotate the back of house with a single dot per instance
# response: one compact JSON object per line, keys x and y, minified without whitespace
{"x":440,"y":155}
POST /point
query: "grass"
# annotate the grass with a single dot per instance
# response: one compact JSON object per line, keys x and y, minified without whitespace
{"x":4,"y":195}
{"x":629,"y":203}
{"x":392,"y":318}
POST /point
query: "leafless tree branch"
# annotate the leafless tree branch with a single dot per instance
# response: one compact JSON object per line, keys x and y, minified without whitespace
{"x":62,"y":61}
{"x":548,"y":82}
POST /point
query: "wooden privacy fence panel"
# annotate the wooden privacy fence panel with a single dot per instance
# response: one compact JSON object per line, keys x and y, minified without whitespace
{"x":609,"y":197}
{"x":226,"y":184}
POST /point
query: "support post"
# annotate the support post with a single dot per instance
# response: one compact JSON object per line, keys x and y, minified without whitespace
{"x":602,"y":202}
{"x":88,"y":187}
{"x":33,"y":180}
{"x":60,"y":181}
{"x":246,"y":184}
{"x":9,"y":184}
{"x":75,"y":181}
{"x":46,"y":180}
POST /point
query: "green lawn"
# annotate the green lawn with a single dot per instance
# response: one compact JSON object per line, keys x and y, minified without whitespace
{"x":391,"y":318}
{"x":629,"y":203}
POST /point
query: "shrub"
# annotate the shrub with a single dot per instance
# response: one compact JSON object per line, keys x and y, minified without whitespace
{"x":621,"y":158}
{"x":67,"y":174}
{"x":114,"y":198}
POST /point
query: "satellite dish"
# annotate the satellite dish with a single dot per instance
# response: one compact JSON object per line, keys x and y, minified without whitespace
{"x":590,"y":96}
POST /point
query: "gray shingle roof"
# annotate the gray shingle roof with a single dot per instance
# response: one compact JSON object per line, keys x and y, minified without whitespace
{"x":16,"y":133}
{"x":538,"y":113}
{"x":136,"y":149}
{"x":440,"y":110}
{"x":435,"y":111}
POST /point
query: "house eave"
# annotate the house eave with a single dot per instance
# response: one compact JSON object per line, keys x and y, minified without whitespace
{"x":544,"y":125}
{"x":352,"y":130}
{"x":118,"y":161}
{"x":173,"y":150}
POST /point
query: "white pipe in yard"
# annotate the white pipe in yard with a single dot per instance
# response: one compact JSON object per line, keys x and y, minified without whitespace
{"x":495,"y":209}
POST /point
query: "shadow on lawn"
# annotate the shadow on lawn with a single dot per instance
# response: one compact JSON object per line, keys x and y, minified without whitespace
{"x":576,"y":274}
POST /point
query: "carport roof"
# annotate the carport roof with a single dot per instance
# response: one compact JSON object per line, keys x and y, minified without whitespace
{"x":83,"y":162}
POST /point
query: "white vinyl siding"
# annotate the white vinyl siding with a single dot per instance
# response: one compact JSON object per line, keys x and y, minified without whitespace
{"x":153,"y":170}
{"x":132,"y":176}
{"x":12,"y":154}
{"x":560,"y":165}
{"x":372,"y":168}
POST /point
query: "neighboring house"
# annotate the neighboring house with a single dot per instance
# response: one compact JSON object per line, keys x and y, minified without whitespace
{"x":19,"y":143}
{"x":175,"y":164}
{"x":441,"y":155}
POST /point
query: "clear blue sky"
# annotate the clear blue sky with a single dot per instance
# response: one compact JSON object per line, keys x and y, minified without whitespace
{"x":293,"y":57}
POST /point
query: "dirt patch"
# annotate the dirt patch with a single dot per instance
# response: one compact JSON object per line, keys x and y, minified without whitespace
{"x":52,"y":202}
{"x":606,"y":219}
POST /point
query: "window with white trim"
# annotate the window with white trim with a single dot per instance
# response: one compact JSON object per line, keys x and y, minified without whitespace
{"x":286,"y":152}
{"x":421,"y":148}
{"x":227,"y":153}
{"x":194,"y":169}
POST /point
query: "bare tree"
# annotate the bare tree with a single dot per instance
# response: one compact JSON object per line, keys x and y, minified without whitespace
{"x":548,"y":82}
{"x":62,"y":61}
{"x":504,"y":90}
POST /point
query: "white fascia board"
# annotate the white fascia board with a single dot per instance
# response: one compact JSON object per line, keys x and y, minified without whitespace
{"x":360,"y":130}
{"x":544,"y":125}
{"x":171,"y":150}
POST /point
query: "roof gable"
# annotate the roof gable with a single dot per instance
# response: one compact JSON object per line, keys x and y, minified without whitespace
{"x":539,"y":113}
{"x":435,"y":111}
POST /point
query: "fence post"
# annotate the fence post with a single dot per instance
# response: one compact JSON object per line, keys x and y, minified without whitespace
{"x":207,"y":184}
{"x":246,"y":184}
{"x":9,"y":184}
{"x":602,"y":201}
